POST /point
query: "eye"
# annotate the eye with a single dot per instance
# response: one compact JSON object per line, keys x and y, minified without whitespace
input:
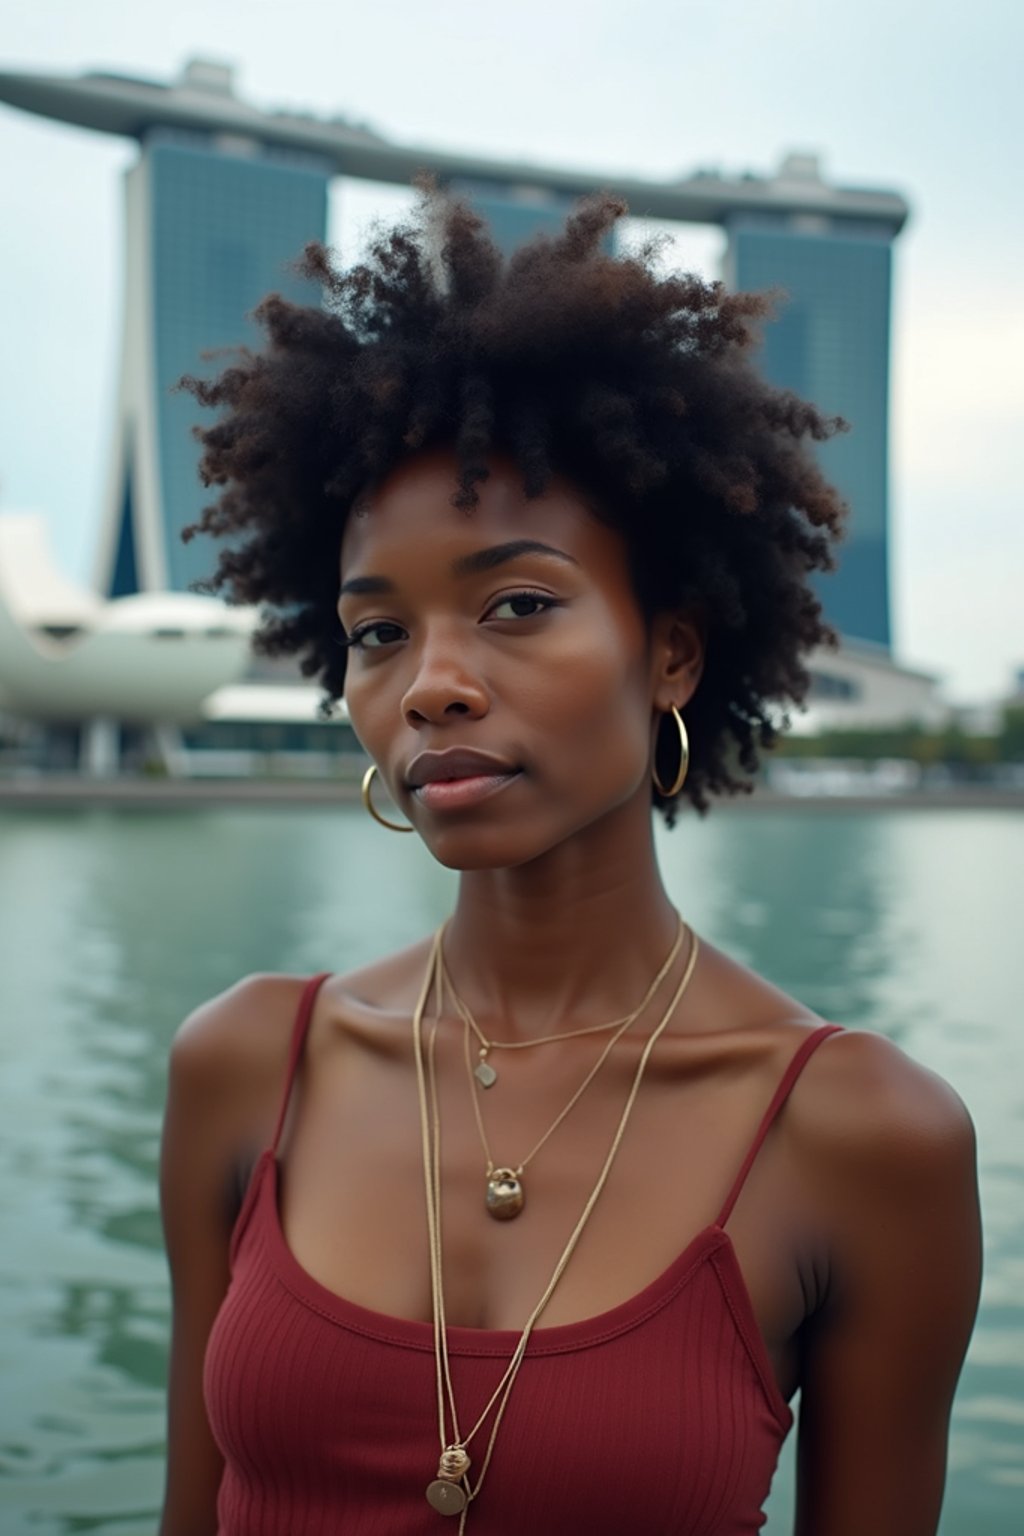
{"x":372,"y":637}
{"x":524,"y":605}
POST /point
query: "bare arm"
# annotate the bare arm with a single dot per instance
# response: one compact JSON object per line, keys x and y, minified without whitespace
{"x":226,"y":1066}
{"x":882,"y":1357}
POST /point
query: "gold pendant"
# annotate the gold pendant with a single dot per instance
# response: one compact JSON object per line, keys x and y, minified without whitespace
{"x":447,"y":1498}
{"x":485,"y":1073}
{"x":444,"y":1493}
{"x":505,"y":1194}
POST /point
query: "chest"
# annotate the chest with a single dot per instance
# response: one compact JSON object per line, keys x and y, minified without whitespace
{"x":663,"y":1405}
{"x":352,"y":1205}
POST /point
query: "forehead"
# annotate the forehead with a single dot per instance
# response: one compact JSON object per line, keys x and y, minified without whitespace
{"x":409,"y":518}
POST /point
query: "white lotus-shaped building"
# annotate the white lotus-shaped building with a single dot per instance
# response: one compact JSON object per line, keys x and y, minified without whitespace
{"x":68,"y":655}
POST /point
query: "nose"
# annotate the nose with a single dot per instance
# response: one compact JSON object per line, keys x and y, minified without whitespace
{"x":445,"y":686}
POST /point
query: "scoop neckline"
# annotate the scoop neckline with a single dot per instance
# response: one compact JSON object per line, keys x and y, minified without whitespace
{"x":497,"y":1341}
{"x":710,"y":1243}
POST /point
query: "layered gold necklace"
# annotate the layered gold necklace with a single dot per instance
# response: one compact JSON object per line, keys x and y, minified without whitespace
{"x":451,"y":1492}
{"x":505,"y":1194}
{"x":486,"y":1073}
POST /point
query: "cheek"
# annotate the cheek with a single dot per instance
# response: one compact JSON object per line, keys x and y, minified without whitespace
{"x":592,"y":699}
{"x":365,"y":713}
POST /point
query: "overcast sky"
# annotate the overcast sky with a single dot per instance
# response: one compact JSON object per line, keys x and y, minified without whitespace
{"x":922,"y":96}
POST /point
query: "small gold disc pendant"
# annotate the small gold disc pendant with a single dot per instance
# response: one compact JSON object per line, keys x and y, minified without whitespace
{"x":485,"y":1073}
{"x":445,"y":1493}
{"x":447,"y":1498}
{"x":505,"y":1194}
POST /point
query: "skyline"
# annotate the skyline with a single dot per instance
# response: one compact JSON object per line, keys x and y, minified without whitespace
{"x":957,"y":530}
{"x":224,"y":193}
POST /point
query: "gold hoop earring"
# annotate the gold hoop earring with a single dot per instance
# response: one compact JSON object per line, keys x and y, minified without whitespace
{"x":684,"y":760}
{"x":392,"y":826}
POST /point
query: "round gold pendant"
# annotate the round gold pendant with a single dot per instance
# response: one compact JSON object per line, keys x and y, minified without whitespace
{"x":447,"y":1498}
{"x":505,"y":1195}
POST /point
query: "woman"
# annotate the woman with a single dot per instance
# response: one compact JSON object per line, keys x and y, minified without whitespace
{"x":551,"y":535}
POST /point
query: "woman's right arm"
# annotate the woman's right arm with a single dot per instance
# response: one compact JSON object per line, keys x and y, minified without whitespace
{"x":226,"y":1066}
{"x":194,"y":1173}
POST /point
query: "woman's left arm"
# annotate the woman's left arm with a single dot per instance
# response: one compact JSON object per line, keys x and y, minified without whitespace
{"x":881,"y":1357}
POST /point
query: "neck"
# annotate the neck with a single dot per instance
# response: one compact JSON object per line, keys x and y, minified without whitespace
{"x":572,"y":938}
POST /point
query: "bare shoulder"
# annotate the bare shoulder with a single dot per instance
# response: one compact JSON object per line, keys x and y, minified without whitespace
{"x":245,"y":1020}
{"x":892,"y":1254}
{"x":861,"y":1104}
{"x":237,"y":1042}
{"x":232,"y":1050}
{"x":865,"y":1115}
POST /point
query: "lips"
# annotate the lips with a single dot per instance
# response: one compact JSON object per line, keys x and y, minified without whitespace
{"x":456,"y":763}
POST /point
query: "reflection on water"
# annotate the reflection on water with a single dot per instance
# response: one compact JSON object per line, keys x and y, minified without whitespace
{"x":113,"y":926}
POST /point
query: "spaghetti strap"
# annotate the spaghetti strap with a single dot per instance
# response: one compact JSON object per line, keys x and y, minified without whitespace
{"x":800,"y":1058}
{"x":300,"y":1029}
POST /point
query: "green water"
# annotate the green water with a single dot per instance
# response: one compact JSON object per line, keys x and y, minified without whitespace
{"x":114,"y":925}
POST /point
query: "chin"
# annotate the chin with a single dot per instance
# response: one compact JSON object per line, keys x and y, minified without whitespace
{"x":470,"y":848}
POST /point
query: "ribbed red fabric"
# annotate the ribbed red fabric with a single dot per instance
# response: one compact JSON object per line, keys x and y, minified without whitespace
{"x":661,"y":1415}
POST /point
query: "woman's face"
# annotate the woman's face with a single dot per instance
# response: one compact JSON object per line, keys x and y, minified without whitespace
{"x":510,"y":631}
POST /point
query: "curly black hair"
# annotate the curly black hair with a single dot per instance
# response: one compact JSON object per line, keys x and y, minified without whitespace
{"x":637,"y":386}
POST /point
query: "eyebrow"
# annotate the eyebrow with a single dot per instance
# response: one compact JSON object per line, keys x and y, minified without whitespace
{"x":466,"y":565}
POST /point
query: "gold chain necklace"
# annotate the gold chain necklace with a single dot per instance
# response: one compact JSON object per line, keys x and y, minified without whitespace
{"x":505,"y":1195}
{"x":450,"y":1493}
{"x":486,"y":1074}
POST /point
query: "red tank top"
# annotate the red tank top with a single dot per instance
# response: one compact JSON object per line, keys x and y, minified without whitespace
{"x":661,"y":1415}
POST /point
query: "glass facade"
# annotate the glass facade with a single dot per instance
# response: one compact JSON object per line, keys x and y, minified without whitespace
{"x":223,"y":229}
{"x":830,"y":344}
{"x":514,"y":216}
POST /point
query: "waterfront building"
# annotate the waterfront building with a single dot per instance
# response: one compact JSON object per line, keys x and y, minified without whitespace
{"x":830,"y":343}
{"x":224,"y":195}
{"x":91,"y":666}
{"x":212,"y":223}
{"x":860,"y":687}
{"x":209,"y":233}
{"x":150,"y":679}
{"x":515,"y":213}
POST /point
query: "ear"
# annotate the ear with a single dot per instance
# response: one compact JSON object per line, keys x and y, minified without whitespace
{"x":677,"y":660}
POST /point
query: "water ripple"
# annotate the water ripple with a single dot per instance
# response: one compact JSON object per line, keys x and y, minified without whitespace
{"x":894,"y":922}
